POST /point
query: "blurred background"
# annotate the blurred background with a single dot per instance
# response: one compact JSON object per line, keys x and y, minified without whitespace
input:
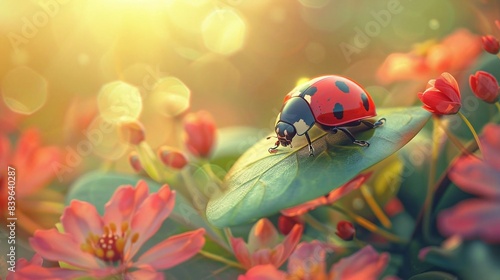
{"x":63,"y":62}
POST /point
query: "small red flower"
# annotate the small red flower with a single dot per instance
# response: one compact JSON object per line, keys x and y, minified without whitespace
{"x":172,"y":157}
{"x":485,"y":86}
{"x":442,"y":95}
{"x":490,"y":44}
{"x":345,"y":230}
{"x":200,"y":133}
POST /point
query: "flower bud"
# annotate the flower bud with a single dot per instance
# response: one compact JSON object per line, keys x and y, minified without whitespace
{"x":484,"y":86}
{"x":132,"y":132}
{"x":345,"y":230}
{"x":490,"y":44}
{"x":135,"y":162}
{"x":286,"y":224}
{"x":200,"y":132}
{"x":172,"y":157}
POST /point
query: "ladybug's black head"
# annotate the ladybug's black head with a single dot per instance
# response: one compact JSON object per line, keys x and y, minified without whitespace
{"x":285,"y":133}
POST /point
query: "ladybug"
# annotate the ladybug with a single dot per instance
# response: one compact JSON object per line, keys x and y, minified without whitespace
{"x":331,"y":102}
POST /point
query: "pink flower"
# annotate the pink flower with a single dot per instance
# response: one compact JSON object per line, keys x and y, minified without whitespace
{"x":476,"y":217}
{"x":107,"y":246}
{"x":490,"y":44}
{"x":442,"y":95}
{"x":328,"y":199}
{"x":200,"y":133}
{"x":484,"y":86}
{"x":33,"y":168}
{"x":264,"y":246}
{"x":308,"y":262}
{"x":453,"y":54}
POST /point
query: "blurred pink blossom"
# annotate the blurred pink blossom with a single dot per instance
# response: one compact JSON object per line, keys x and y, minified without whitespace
{"x":453,"y":54}
{"x":476,"y":217}
{"x":106,"y":246}
{"x":32,"y":163}
{"x":484,"y":86}
{"x":308,"y":262}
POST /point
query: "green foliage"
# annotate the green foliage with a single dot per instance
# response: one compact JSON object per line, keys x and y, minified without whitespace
{"x":261,"y":184}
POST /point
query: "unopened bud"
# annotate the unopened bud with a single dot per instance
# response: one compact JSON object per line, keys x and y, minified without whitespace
{"x":345,"y":230}
{"x":490,"y":44}
{"x":132,"y":132}
{"x":200,"y":132}
{"x":135,"y":162}
{"x":172,"y":157}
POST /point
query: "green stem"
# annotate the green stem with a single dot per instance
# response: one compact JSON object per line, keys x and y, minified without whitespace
{"x":221,"y":259}
{"x":430,"y":183}
{"x":370,"y":226}
{"x":498,"y":105}
{"x":310,"y":220}
{"x":210,"y":172}
{"x":376,"y":209}
{"x":473,"y":131}
{"x":454,"y":139}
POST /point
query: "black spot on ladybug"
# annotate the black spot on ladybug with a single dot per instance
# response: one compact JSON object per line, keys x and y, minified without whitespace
{"x":338,"y":111}
{"x":342,"y":86}
{"x":364,"y":98}
{"x":309,"y":91}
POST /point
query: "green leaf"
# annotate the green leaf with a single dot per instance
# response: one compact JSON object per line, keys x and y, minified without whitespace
{"x":260,"y":184}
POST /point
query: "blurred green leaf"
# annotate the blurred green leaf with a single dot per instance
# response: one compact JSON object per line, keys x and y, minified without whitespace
{"x":260,"y":184}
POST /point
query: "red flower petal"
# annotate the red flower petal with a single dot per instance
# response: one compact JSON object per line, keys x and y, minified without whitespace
{"x":81,"y":218}
{"x":476,"y":177}
{"x":55,"y":246}
{"x":150,"y":215}
{"x":124,"y":203}
{"x":173,"y":251}
{"x":263,"y":272}
{"x":471,"y":219}
{"x":262,"y":235}
{"x":365,"y":264}
{"x":484,"y":86}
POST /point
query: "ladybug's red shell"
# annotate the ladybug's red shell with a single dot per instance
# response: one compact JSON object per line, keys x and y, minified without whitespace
{"x":335,"y":100}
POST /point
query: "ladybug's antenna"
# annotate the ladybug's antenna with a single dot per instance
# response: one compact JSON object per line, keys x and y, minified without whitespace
{"x":271,"y":137}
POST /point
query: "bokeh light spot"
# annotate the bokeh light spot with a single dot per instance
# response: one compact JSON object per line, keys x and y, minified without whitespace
{"x":24,"y":91}
{"x":434,"y":24}
{"x":119,"y":101}
{"x":105,"y":139}
{"x":170,"y":97}
{"x":223,"y":31}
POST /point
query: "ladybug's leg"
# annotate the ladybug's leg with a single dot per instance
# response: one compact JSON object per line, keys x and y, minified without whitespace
{"x":311,"y":150}
{"x":361,"y":143}
{"x":375,"y":124}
